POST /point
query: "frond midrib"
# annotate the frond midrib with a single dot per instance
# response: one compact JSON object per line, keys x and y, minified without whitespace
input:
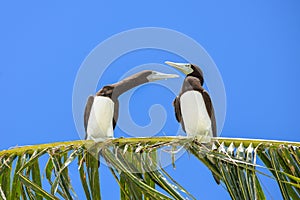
{"x":149,"y":140}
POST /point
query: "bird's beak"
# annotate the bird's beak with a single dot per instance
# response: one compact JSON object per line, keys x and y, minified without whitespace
{"x":186,"y":68}
{"x":159,"y":76}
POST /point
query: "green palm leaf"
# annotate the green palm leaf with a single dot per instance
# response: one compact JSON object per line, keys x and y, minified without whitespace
{"x":135,"y":166}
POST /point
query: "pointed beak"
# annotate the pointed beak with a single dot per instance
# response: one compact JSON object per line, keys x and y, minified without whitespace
{"x":186,"y":68}
{"x":159,"y":76}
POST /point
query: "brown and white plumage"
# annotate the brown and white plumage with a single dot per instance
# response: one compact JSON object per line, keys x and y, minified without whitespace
{"x":193,"y":106}
{"x":101,"y":111}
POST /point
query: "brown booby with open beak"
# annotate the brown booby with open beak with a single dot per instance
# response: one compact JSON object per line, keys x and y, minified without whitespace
{"x":101,"y":111}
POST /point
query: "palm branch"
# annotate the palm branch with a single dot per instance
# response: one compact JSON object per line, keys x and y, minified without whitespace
{"x":135,"y":166}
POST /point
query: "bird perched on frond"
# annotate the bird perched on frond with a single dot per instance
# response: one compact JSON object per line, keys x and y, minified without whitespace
{"x":101,"y":110}
{"x":193,"y":106}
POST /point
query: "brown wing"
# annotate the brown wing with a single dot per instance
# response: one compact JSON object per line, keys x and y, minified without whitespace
{"x":116,"y":113}
{"x":87,"y":112}
{"x":211,"y":112}
{"x":177,"y":108}
{"x":176,"y":104}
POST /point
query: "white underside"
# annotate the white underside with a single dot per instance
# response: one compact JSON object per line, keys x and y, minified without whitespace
{"x":100,"y":124}
{"x":195,"y":117}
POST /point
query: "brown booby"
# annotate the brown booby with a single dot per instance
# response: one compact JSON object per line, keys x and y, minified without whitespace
{"x":193,"y":106}
{"x":101,"y":111}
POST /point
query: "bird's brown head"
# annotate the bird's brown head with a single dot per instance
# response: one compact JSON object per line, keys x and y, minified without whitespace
{"x":188,"y":69}
{"x":106,"y":91}
{"x":144,"y":77}
{"x":115,"y":90}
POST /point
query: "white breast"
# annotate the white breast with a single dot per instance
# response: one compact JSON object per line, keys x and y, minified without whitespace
{"x":194,"y":114}
{"x":100,"y":124}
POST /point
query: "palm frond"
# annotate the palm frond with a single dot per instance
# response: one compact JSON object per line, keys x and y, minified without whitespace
{"x":135,"y":165}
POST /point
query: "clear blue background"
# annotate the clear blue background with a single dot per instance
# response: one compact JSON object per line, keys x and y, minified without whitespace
{"x":254,"y":44}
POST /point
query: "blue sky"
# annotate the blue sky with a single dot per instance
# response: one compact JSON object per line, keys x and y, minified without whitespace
{"x":254,"y":44}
